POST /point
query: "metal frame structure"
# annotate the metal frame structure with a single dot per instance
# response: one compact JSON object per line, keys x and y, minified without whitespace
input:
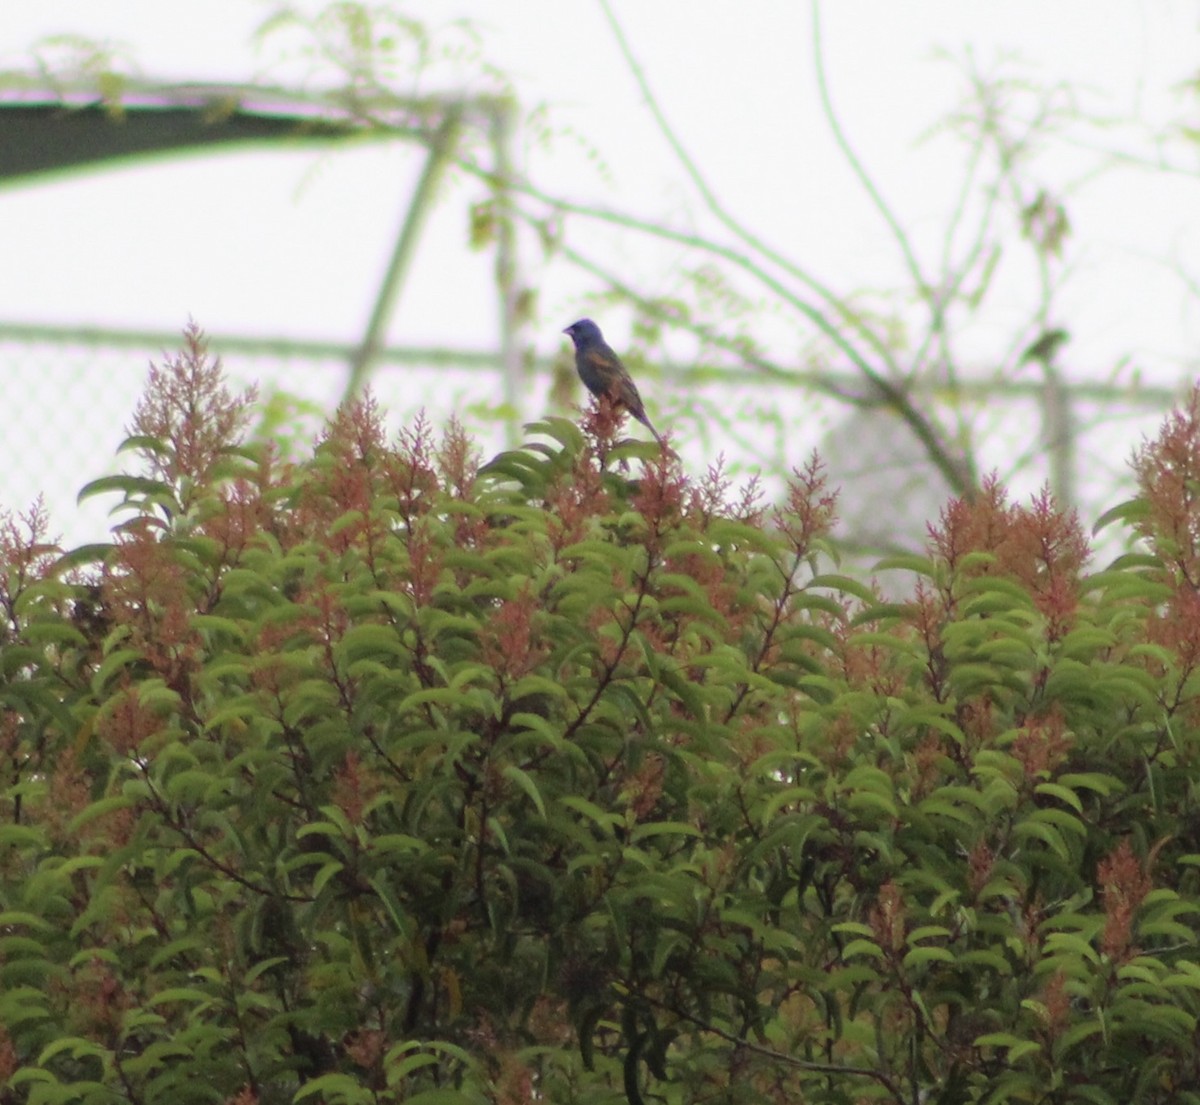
{"x":71,"y":130}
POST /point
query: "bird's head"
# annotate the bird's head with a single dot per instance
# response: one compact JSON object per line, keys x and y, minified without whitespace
{"x":584,"y":332}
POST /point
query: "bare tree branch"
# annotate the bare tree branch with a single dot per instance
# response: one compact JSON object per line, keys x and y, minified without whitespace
{"x":843,"y":143}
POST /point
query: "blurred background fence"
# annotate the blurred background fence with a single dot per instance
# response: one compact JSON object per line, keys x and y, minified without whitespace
{"x":75,"y":388}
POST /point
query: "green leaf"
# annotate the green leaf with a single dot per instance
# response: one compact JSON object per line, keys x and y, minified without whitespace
{"x":15,"y":918}
{"x":606,"y":822}
{"x":96,"y":809}
{"x":132,"y":487}
{"x":563,"y":430}
{"x":1076,"y":1035}
{"x":862,"y":947}
{"x":20,"y":836}
{"x":114,"y":662}
{"x":1047,"y":834}
{"x":526,"y":783}
{"x":845,"y":585}
{"x":1103,"y":785}
{"x":1132,"y":510}
{"x":144,"y":443}
{"x":1062,"y":793}
{"x":75,"y":1046}
{"x":907,"y":562}
{"x":342,"y":1088}
{"x":919,"y":957}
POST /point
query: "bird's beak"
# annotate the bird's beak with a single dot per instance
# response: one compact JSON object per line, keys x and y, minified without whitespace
{"x":566,"y":329}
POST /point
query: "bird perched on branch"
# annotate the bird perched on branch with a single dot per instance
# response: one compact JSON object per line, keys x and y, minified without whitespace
{"x":602,"y":373}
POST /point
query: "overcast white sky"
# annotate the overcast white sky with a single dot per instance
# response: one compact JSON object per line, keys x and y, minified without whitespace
{"x":295,"y":243}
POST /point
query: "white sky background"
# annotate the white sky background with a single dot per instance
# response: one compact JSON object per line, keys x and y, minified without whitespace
{"x":295,"y":244}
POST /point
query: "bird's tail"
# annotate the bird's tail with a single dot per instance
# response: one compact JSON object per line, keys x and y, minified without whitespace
{"x":662,"y":443}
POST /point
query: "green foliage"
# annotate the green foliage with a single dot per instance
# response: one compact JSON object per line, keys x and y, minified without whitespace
{"x":384,"y":777}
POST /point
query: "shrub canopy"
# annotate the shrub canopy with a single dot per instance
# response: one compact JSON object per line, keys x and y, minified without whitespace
{"x":384,"y":777}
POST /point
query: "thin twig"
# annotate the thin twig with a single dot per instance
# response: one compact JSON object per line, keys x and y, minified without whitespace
{"x":902,"y":239}
{"x":778,"y":1056}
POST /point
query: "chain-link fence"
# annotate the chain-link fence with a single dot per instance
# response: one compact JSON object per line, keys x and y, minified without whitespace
{"x":74,"y":395}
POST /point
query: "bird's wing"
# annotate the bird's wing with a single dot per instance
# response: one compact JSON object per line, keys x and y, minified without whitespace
{"x":625,"y":392}
{"x":607,"y":364}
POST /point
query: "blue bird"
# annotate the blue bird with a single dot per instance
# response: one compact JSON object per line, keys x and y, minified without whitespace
{"x":602,"y":373}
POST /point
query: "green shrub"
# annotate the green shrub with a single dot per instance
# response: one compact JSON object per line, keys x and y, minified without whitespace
{"x":383,"y":777}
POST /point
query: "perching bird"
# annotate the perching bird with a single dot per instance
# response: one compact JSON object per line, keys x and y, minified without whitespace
{"x":602,"y":373}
